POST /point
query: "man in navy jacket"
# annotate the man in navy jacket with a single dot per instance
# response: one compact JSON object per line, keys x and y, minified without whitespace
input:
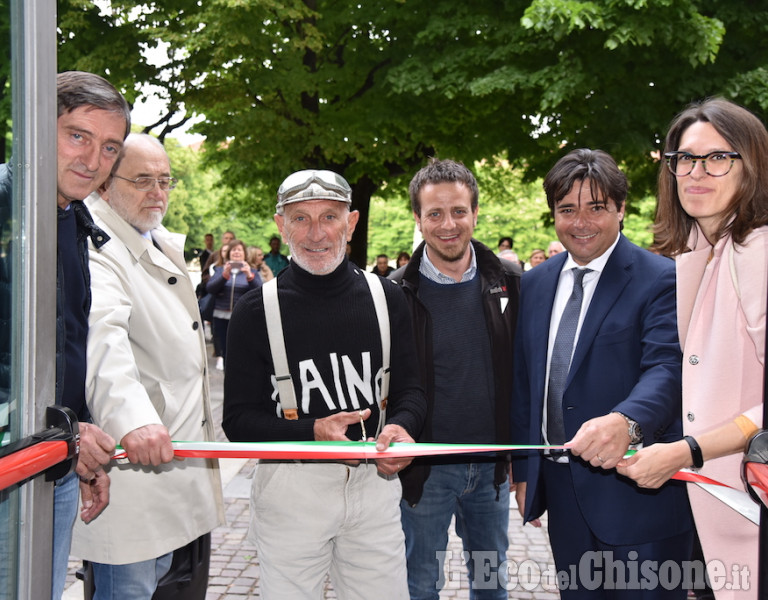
{"x":622,"y":389}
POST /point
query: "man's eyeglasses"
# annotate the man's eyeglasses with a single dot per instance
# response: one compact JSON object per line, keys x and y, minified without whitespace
{"x":715,"y":164}
{"x":145,"y":184}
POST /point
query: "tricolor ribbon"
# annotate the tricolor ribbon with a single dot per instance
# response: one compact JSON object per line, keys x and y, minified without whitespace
{"x":331,"y":450}
{"x":739,"y":500}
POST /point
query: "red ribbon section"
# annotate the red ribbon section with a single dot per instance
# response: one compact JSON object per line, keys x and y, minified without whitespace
{"x":693,"y":477}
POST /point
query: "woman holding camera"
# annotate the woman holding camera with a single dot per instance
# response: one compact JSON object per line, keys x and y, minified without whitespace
{"x":228,"y":283}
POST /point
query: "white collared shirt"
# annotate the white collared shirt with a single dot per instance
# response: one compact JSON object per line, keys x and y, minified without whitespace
{"x":431,"y":272}
{"x":564,"y":290}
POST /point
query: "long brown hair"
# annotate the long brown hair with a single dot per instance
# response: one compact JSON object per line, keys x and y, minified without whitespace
{"x":748,"y":208}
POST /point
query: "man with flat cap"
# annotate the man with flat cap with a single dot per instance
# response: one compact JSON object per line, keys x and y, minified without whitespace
{"x":324,"y":352}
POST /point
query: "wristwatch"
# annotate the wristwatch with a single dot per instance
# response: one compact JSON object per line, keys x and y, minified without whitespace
{"x":634,"y":430}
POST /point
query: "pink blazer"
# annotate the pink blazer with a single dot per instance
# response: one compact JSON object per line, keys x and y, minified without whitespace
{"x":721,"y":305}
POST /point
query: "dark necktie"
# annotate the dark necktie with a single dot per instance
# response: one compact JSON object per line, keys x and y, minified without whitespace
{"x":560,"y":362}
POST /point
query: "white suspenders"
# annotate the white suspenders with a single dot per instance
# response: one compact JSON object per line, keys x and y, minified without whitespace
{"x":277,"y":345}
{"x":285,"y":387}
{"x":376,"y":285}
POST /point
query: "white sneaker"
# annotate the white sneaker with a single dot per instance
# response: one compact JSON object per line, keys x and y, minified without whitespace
{"x":220,"y":363}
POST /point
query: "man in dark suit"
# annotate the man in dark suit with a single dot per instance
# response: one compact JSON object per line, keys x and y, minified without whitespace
{"x":597,"y":367}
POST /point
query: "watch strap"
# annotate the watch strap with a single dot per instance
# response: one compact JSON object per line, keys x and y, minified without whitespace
{"x":633,"y":429}
{"x":696,"y":454}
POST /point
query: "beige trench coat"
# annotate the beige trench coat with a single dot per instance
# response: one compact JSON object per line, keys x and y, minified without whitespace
{"x":147,"y":365}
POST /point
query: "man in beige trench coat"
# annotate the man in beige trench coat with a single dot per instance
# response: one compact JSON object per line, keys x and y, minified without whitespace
{"x":146,"y":382}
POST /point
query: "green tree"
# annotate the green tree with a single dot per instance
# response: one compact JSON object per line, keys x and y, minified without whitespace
{"x":572,"y":73}
{"x":200,"y":204}
{"x":511,"y":206}
{"x":301,"y":85}
{"x":371,"y":89}
{"x":391,"y":227}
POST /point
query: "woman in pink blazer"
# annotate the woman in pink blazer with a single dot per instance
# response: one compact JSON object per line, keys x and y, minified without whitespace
{"x":713,"y":219}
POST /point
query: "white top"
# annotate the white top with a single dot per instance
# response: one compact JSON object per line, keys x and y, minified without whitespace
{"x":564,"y":290}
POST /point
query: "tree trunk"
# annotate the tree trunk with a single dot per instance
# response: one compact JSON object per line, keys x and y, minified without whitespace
{"x":362,"y":191}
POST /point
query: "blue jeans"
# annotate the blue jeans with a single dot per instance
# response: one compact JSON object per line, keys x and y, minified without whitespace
{"x":482,"y":521}
{"x":220,"y":327}
{"x":134,"y":581}
{"x":65,"y":494}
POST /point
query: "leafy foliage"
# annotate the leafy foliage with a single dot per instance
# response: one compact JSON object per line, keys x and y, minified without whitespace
{"x":371,"y":89}
{"x":608,"y":75}
{"x":199,"y":205}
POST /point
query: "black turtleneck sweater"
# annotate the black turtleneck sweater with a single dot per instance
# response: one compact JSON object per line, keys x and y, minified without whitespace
{"x":334,"y":355}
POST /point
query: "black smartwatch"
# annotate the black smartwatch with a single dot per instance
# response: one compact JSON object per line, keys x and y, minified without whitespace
{"x":696,"y":455}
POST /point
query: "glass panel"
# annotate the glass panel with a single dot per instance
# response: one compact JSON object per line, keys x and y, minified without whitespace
{"x":9,"y":238}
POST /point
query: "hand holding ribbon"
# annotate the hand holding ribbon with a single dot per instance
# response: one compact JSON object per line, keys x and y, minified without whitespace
{"x":334,"y":427}
{"x":601,"y":441}
{"x":389,"y":434}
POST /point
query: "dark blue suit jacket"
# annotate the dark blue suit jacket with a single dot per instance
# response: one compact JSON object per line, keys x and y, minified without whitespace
{"x":627,"y":359}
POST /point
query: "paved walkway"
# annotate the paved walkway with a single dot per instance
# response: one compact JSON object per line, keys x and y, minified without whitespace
{"x":234,"y":570}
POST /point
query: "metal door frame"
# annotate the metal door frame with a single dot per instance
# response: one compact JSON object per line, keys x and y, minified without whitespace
{"x":33,"y":57}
